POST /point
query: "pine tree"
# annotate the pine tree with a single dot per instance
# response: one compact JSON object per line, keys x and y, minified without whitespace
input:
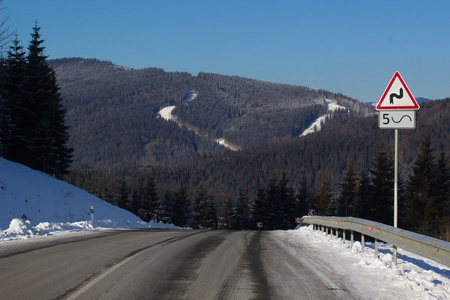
{"x":260,"y":208}
{"x":324,"y":196}
{"x":18,"y":115}
{"x":442,"y":191}
{"x":424,"y":210}
{"x":228,"y":212}
{"x":271,"y":199}
{"x":285,"y":199}
{"x":240,"y":216}
{"x":122,"y":200}
{"x":303,"y":199}
{"x":203,"y":211}
{"x":347,"y":199}
{"x":4,"y":110}
{"x":150,"y":201}
{"x":181,"y":210}
{"x":211,"y":218}
{"x":381,"y":201}
{"x":363,"y":209}
{"x":167,"y":206}
{"x":50,"y":134}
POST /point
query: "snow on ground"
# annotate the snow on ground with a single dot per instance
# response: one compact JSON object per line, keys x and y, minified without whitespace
{"x":166,"y":112}
{"x":34,"y":204}
{"x":224,"y":143}
{"x":317,"y":124}
{"x":414,"y":277}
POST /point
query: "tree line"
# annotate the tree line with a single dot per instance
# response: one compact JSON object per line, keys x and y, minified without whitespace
{"x":32,"y":118}
{"x":424,"y":204}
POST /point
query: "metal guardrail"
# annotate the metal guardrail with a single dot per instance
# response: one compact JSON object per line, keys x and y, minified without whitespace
{"x":422,"y":245}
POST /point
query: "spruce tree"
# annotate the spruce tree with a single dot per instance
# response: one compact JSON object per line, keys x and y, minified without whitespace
{"x":167,"y":206}
{"x":363,"y":209}
{"x":324,"y":196}
{"x":240,"y":217}
{"x":150,"y":201}
{"x":286,"y":204}
{"x":49,"y":134}
{"x":347,"y":199}
{"x":4,"y":111}
{"x":204,"y":213}
{"x":442,"y":192}
{"x":181,"y":210}
{"x":123,"y":194}
{"x":19,"y":117}
{"x":260,"y":208}
{"x":424,"y":208}
{"x":272,"y":205}
{"x":303,"y":199}
{"x":381,"y":202}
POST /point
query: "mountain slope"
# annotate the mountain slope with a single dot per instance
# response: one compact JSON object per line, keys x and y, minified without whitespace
{"x":113,"y":112}
{"x":326,"y":152}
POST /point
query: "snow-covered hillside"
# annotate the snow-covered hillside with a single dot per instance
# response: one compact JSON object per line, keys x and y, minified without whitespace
{"x":33,"y":203}
{"x":317,"y":124}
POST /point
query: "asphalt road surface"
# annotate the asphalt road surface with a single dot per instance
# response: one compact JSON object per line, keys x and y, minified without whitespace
{"x":165,"y":264}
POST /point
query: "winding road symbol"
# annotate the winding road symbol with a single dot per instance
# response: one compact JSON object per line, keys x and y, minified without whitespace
{"x":393,"y":95}
{"x":407,"y":116}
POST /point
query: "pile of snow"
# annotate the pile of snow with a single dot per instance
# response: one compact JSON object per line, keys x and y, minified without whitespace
{"x":33,"y":204}
{"x":317,"y":124}
{"x":414,"y":277}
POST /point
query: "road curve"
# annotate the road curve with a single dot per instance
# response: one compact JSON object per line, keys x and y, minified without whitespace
{"x":165,"y":264}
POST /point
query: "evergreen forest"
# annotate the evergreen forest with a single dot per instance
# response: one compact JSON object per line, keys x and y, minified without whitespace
{"x":343,"y":170}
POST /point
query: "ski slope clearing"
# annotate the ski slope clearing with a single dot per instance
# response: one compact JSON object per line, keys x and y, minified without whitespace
{"x":166,"y":112}
{"x":34,"y":204}
{"x":317,"y":124}
{"x":414,"y":277}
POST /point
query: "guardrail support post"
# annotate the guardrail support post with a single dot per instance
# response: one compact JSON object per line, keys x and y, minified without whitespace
{"x":376,"y":247}
{"x":337,"y":233}
{"x":362,"y":243}
{"x":394,"y":254}
{"x":343,"y":236}
{"x":351,"y":238}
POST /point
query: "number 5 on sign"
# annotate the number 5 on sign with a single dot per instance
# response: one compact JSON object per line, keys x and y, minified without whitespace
{"x":397,"y":119}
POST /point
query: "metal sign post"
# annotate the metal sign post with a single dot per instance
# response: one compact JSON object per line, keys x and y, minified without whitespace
{"x":396,"y":110}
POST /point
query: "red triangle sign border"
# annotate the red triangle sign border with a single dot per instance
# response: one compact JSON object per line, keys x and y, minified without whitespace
{"x":414,"y":106}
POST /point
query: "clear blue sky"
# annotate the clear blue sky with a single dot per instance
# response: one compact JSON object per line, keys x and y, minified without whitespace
{"x":351,"y":47}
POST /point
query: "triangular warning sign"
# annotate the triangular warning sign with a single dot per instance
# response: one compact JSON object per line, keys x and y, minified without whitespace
{"x":397,"y":96}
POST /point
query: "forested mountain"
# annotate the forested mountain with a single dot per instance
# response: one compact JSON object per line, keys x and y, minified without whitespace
{"x":112,"y":112}
{"x":176,"y":172}
{"x":306,"y":163}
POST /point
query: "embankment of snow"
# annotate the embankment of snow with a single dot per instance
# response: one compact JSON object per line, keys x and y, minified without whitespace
{"x":34,"y":203}
{"x":414,"y":277}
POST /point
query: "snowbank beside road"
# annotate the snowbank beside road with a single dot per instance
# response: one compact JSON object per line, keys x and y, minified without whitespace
{"x":33,"y":203}
{"x":414,"y":277}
